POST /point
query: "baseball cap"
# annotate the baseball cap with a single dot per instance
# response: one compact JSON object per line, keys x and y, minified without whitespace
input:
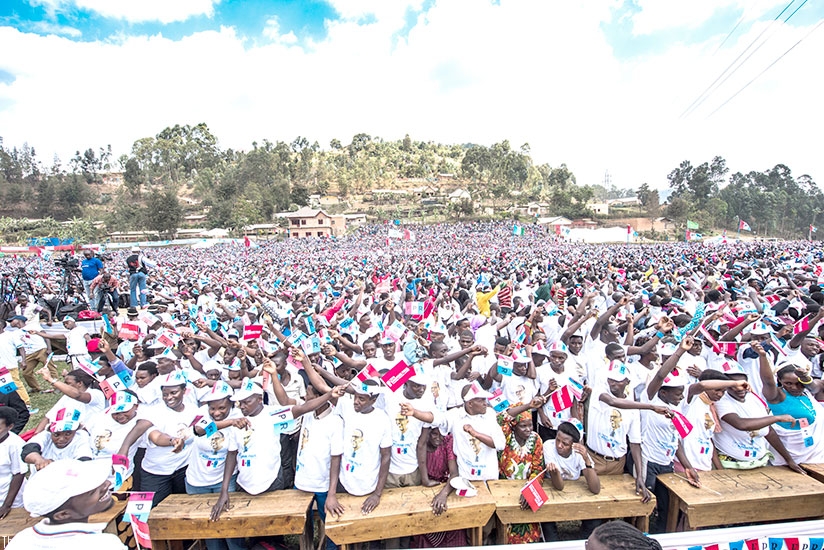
{"x":618,"y":371}
{"x":135,"y":249}
{"x":667,"y":349}
{"x":232,"y":333}
{"x":385,"y":341}
{"x":61,"y":480}
{"x":221,"y":390}
{"x":760,"y":329}
{"x":175,"y":378}
{"x":121,"y":402}
{"x":65,"y":425}
{"x":476,"y":391}
{"x":247,"y":389}
{"x":732,"y":367}
{"x":558,"y":347}
{"x":17,"y":318}
{"x":675,"y":378}
{"x":69,"y":318}
{"x":575,"y":423}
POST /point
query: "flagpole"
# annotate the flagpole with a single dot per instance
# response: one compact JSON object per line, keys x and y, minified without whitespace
{"x":738,"y":235}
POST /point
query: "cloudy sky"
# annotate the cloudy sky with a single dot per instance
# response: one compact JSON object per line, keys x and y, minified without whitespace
{"x":599,"y":85}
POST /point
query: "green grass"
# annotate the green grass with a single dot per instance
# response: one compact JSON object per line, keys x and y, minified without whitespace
{"x":43,"y":401}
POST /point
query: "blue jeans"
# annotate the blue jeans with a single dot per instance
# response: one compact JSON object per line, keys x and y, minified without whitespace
{"x":137,"y":280}
{"x":320,"y":498}
{"x":218,"y":544}
{"x":91,"y":297}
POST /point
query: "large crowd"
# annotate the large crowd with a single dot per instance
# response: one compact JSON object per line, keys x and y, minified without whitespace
{"x":364,"y":363}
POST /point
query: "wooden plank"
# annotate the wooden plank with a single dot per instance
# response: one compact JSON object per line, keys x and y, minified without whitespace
{"x":616,"y":499}
{"x":407,"y":511}
{"x":728,"y":497}
{"x":186,"y":517}
{"x":18,"y":519}
{"x":816,"y":471}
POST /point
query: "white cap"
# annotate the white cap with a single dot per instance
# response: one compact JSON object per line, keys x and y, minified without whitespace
{"x":675,"y":378}
{"x":121,"y":401}
{"x":135,"y":249}
{"x":618,"y":372}
{"x":760,"y":329}
{"x":61,"y":480}
{"x":732,"y":367}
{"x":221,"y":390}
{"x":247,"y":389}
{"x":175,"y":378}
{"x":476,"y":391}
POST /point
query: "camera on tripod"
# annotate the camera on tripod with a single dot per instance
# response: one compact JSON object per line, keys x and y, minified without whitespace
{"x":68,"y":263}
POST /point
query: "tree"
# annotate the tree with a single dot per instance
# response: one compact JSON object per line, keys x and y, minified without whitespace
{"x":163,"y":212}
{"x":649,"y":199}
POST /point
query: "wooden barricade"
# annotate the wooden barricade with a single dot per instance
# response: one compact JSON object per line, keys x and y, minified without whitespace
{"x":728,"y":497}
{"x":186,"y":517}
{"x":407,"y":511}
{"x":617,"y":499}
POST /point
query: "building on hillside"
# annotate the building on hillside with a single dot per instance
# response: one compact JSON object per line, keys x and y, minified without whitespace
{"x":308,"y":222}
{"x":262,"y":229}
{"x":354,"y":220}
{"x":194,"y":220}
{"x":458,"y":195}
{"x":626,"y":201}
{"x":532,"y":209}
{"x":554,"y":222}
{"x":112,"y":178}
{"x":601,"y":208}
{"x":584,"y":223}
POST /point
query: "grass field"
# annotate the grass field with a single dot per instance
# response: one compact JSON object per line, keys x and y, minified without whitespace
{"x":44,"y":401}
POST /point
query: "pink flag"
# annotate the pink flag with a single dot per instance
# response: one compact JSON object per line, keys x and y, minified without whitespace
{"x":398,"y":375}
{"x":534,"y":494}
{"x":561,"y":399}
{"x":367,"y":373}
{"x":252,"y":332}
{"x":802,"y":325}
{"x":682,"y":425}
{"x":141,"y":532}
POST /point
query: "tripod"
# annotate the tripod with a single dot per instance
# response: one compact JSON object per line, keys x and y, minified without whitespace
{"x":71,"y":292}
{"x":10,"y":287}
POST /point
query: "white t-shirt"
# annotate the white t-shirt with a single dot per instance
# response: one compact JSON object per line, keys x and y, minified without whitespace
{"x":545,"y":376}
{"x":740,"y":445}
{"x":608,"y":427}
{"x":76,"y":341}
{"x":10,"y":341}
{"x":698,"y":445}
{"x":258,"y":452}
{"x":67,"y":536}
{"x":519,"y":389}
{"x":660,"y":440}
{"x":161,"y":460}
{"x":295,"y":389}
{"x":406,"y":430}
{"x":364,"y":435}
{"x":570,"y":467}
{"x":321,"y":438}
{"x":32,"y":343}
{"x":11,"y":463}
{"x":208,"y":459}
{"x":106,"y":435}
{"x":94,"y":406}
{"x":78,"y":447}
{"x":438,"y":389}
{"x":476,"y":461}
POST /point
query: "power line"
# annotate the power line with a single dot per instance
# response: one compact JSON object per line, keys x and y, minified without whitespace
{"x":746,"y":59}
{"x":721,"y":45}
{"x":701,"y":95}
{"x":767,"y":68}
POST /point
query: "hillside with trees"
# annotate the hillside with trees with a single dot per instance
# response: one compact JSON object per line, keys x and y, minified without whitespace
{"x":183,"y":170}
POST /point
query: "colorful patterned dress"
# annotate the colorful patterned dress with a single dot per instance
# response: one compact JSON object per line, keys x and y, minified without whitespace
{"x":523,"y":462}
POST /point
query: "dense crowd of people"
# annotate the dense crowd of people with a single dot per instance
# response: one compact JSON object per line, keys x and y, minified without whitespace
{"x":464,"y":354}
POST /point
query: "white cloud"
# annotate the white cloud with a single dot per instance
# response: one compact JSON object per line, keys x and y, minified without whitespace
{"x":655,"y":15}
{"x":44,"y":27}
{"x":535,"y":72}
{"x":271,"y":30}
{"x":136,"y":11}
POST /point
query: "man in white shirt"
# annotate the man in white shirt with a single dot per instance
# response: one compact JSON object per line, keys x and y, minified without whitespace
{"x":11,"y":342}
{"x":476,"y":435}
{"x":363,"y":467}
{"x":66,"y":494}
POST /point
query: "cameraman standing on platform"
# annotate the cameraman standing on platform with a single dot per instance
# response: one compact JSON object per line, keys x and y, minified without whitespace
{"x":138,"y":266}
{"x":91,"y":266}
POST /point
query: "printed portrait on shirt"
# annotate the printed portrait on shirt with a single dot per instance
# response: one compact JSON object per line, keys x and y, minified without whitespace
{"x":218,"y":441}
{"x":304,"y":438}
{"x":102,"y":439}
{"x":476,"y":446}
{"x":403,"y":424}
{"x":615,"y":420}
{"x":709,"y":423}
{"x":357,"y":441}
